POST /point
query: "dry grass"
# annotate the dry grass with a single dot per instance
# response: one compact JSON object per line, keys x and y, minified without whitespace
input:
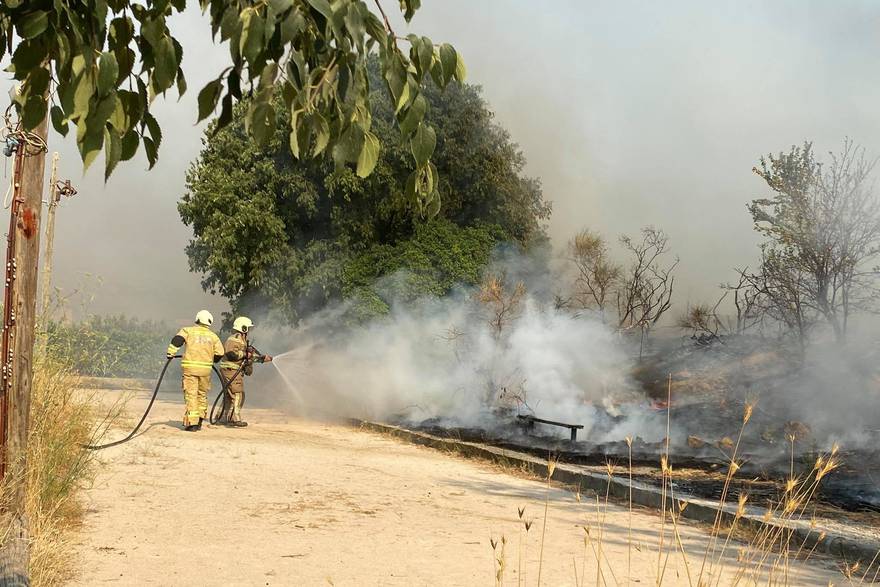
{"x":63,"y":418}
{"x":766,"y":557}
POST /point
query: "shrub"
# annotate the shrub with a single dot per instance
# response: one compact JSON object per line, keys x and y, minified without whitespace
{"x":110,"y":346}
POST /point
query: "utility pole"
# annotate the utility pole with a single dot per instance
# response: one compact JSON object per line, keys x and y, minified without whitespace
{"x":19,"y":318}
{"x":46,"y":285}
{"x":57,"y":189}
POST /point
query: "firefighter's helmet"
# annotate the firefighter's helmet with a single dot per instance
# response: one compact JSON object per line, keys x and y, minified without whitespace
{"x":242,"y":324}
{"x":204,"y":318}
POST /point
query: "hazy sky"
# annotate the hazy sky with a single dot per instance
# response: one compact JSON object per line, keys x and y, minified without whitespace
{"x":631,"y":113}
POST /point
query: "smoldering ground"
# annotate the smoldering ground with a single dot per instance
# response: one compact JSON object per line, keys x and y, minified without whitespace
{"x":447,"y":361}
{"x":442,"y":359}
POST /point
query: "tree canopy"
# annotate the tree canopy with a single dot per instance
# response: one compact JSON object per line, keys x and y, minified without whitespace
{"x":108,"y":60}
{"x":292,"y":235}
{"x":822,"y":225}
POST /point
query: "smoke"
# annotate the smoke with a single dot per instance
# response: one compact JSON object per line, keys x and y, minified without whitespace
{"x":445,"y":361}
{"x":451,"y":361}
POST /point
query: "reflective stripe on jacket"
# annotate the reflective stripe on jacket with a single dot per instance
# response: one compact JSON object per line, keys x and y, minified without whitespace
{"x":234,"y":352}
{"x":201,"y":347}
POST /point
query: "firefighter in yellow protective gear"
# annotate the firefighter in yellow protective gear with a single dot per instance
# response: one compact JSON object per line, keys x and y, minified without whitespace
{"x":203,"y":349}
{"x":238,"y":361}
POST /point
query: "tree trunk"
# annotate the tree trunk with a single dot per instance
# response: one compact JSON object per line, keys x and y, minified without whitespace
{"x":21,"y":319}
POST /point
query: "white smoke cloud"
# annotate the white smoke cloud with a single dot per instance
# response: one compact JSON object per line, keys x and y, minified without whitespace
{"x":442,"y":360}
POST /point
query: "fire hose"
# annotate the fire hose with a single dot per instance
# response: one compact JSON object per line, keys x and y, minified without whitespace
{"x":132,"y":434}
{"x":214,"y":416}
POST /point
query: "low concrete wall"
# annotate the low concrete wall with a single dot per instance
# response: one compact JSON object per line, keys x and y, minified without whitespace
{"x":848,"y":546}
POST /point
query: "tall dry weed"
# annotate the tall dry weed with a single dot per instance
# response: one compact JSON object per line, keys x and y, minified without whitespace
{"x":62,"y":419}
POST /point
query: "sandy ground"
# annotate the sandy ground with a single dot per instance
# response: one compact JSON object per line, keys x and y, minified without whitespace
{"x":292,"y":502}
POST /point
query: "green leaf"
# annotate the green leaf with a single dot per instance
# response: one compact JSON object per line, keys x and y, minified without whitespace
{"x":294,"y":137}
{"x":403,"y":99}
{"x":153,"y":127}
{"x":150,"y":150}
{"x":63,"y":52}
{"x":59,"y":123}
{"x":376,"y":29}
{"x":121,"y":31}
{"x":279,"y":6}
{"x":90,"y":140}
{"x":125,"y":58}
{"x":32,"y":24}
{"x":396,"y":77}
{"x":354,"y":22}
{"x":260,"y":121}
{"x":85,"y":89}
{"x":208,"y":98}
{"x":410,"y":7}
{"x":251,"y":42}
{"x":433,"y":207}
{"x":28,"y":55}
{"x":449,"y":59}
{"x":233,"y":84}
{"x":153,"y":30}
{"x":112,"y":152}
{"x":414,"y":115}
{"x":423,"y":143}
{"x":37,"y":83}
{"x":118,"y":119}
{"x":369,"y":155}
{"x":166,"y":64}
{"x":103,"y":110}
{"x":108,"y":72}
{"x":426,"y":54}
{"x":460,"y":69}
{"x":291,"y":27}
{"x":129,"y":145}
{"x":230,"y":23}
{"x":322,"y":6}
{"x":34,"y":112}
{"x":132,"y":106}
{"x":181,"y":84}
{"x":322,"y":134}
{"x":225,"y":112}
{"x":410,"y":189}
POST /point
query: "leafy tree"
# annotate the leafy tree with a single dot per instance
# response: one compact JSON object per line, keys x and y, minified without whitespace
{"x":274,"y":231}
{"x":108,"y":59}
{"x":438,"y":257}
{"x":822,"y":225}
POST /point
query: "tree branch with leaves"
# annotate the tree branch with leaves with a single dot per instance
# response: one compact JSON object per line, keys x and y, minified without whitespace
{"x":104,"y":62}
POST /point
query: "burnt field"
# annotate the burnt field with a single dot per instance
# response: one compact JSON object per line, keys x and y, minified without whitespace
{"x":850,"y":492}
{"x":798,"y":413}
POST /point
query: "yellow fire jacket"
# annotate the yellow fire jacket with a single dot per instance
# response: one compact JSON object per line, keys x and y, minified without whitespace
{"x":236,"y":353}
{"x":203,"y":349}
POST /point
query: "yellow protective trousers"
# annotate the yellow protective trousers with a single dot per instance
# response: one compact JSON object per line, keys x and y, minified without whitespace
{"x":195,"y":393}
{"x":234,"y":392}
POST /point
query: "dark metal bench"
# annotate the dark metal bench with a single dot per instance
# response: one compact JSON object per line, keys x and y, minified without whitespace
{"x":530,"y":421}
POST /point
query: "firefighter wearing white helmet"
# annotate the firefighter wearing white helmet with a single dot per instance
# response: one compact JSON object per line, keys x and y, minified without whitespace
{"x":203,"y":349}
{"x":238,"y":361}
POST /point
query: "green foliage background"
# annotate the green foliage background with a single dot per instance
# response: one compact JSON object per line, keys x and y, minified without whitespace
{"x":110,"y":346}
{"x":275,"y":234}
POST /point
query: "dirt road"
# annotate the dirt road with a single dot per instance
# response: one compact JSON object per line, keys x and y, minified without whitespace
{"x":290,"y":502}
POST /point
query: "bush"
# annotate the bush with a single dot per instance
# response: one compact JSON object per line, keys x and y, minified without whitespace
{"x":110,"y":346}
